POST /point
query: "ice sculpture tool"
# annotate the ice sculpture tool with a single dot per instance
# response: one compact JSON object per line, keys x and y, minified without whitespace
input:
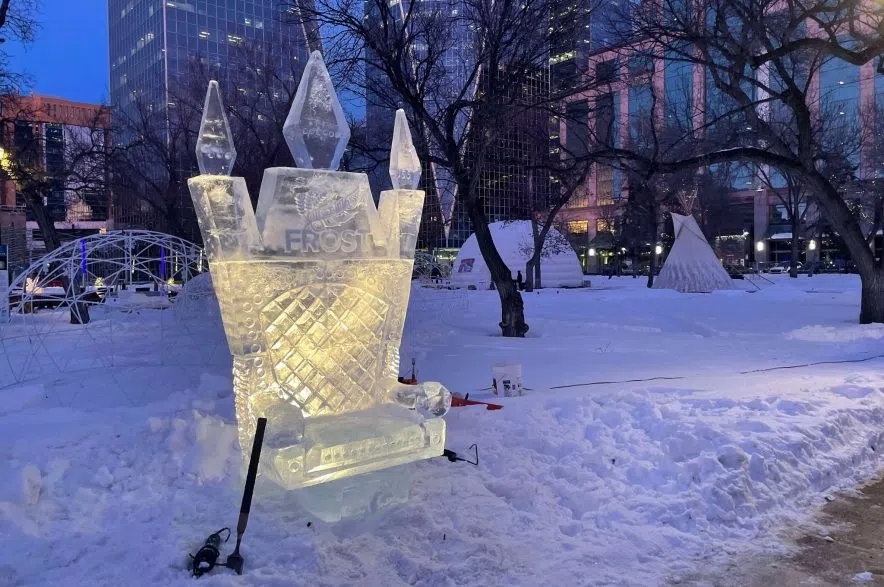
{"x":206,"y":557}
{"x":313,"y":287}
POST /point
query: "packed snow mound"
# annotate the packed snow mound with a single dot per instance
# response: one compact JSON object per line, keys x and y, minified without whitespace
{"x":691,"y":266}
{"x":197,"y":301}
{"x":840,"y":333}
{"x":559,"y":264}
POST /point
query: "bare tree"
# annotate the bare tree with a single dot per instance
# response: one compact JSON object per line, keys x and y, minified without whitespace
{"x":763,"y":56}
{"x":155,"y":152}
{"x":78,"y":168}
{"x":17,"y":22}
{"x":567,"y":173}
{"x":151,"y":161}
{"x":793,"y":196}
{"x":463,"y":70}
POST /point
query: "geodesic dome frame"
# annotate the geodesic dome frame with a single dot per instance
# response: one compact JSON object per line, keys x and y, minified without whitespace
{"x":128,"y":280}
{"x":80,"y":270}
{"x":427,"y":268}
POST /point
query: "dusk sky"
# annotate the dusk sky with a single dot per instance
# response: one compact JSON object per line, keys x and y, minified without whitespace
{"x":69,"y":57}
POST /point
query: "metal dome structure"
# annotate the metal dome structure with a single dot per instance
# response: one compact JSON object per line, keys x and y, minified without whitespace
{"x":80,"y":307}
{"x":427,"y":268}
{"x":83,"y":269}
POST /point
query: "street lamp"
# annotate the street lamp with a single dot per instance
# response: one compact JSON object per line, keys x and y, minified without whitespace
{"x":759,"y":246}
{"x":592,"y":252}
{"x":658,"y":250}
{"x":811,"y":246}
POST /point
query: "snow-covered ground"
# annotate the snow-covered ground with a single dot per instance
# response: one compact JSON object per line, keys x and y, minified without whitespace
{"x":650,"y":443}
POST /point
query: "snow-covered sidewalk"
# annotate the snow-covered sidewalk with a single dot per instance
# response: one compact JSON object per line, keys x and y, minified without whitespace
{"x":112,"y":476}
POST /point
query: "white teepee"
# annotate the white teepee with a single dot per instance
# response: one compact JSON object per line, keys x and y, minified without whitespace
{"x":691,"y":266}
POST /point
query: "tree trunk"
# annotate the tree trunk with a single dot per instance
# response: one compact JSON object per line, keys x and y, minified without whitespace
{"x":872,"y":301}
{"x":79,"y":310}
{"x":793,"y":263}
{"x":537,"y":248}
{"x":870,"y":273}
{"x":538,"y":283}
{"x":512,"y":311}
{"x":47,"y":227}
{"x":652,"y":266}
{"x":529,"y":273}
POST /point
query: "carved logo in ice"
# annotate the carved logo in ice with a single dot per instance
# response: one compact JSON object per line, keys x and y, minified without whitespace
{"x":324,"y":210}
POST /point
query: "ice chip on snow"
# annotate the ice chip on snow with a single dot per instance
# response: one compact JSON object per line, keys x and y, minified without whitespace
{"x":215,"y":153}
{"x":316,"y":130}
{"x":430,"y":399}
{"x":405,"y":168}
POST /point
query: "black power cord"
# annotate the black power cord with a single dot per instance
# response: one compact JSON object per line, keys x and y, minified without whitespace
{"x":452,"y":456}
{"x":206,"y":557}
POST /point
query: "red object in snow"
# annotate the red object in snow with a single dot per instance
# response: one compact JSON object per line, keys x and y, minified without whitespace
{"x":459,"y":402}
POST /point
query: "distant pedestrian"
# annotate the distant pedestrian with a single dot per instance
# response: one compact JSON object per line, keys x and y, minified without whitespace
{"x":520,"y":281}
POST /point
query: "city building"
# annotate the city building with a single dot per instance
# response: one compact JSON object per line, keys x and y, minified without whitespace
{"x":152,"y":43}
{"x":750,"y":224}
{"x":55,"y":147}
{"x":156,"y":45}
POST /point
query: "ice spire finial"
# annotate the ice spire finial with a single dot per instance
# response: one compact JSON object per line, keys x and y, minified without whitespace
{"x":215,"y":153}
{"x":315,"y":129}
{"x":405,"y":167}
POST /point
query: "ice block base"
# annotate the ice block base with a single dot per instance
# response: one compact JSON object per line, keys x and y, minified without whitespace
{"x":356,"y":443}
{"x":357,"y":497}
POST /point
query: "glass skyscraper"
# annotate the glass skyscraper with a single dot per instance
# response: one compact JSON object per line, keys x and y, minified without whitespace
{"x":158,"y":49}
{"x":153,"y":42}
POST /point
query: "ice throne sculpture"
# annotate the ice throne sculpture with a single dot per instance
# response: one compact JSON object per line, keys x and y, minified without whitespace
{"x":313,"y":289}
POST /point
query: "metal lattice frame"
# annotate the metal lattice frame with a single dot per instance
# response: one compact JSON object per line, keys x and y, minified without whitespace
{"x":106,"y":261}
{"x":129,"y":282}
{"x":427,"y":268}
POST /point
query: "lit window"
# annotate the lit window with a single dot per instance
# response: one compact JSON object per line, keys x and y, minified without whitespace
{"x":578,"y":226}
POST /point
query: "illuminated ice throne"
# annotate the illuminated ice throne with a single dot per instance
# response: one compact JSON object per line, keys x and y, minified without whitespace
{"x":313,"y":289}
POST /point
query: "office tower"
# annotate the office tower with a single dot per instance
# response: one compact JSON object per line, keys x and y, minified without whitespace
{"x":153,"y":42}
{"x":158,"y":51}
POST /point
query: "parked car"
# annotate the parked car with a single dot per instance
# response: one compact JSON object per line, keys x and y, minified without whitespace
{"x":784,"y":268}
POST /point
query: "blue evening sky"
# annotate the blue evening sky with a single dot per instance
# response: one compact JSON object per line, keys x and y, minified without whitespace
{"x":68,"y":59}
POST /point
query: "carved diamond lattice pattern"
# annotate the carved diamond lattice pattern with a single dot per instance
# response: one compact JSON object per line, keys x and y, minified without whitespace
{"x":324,"y":341}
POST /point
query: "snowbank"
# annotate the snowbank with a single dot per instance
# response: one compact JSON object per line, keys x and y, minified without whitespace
{"x":630,"y":483}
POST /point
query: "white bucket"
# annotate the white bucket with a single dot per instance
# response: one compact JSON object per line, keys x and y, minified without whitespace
{"x":507,"y":379}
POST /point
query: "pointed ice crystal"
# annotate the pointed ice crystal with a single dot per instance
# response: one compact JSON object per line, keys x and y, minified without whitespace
{"x":405,"y":168}
{"x":215,"y":153}
{"x":315,"y":129}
